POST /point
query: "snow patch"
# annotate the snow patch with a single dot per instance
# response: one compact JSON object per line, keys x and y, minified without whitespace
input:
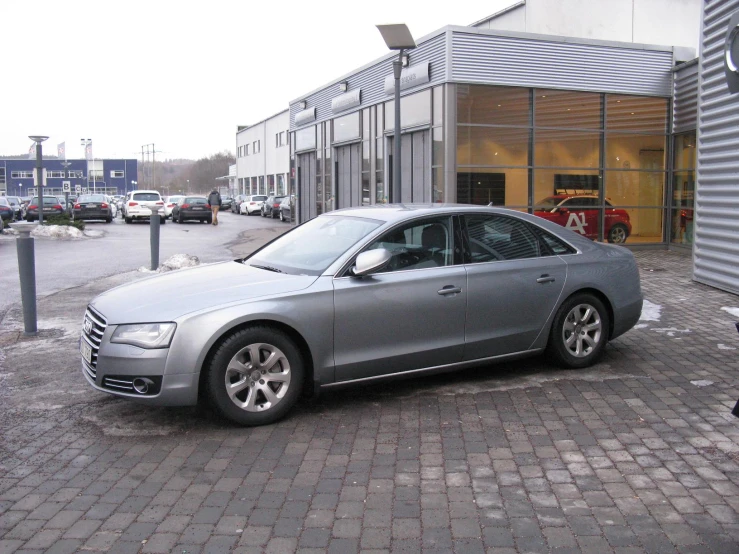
{"x":701,"y":383}
{"x":724,"y":347}
{"x":670,"y":331}
{"x":93,"y":233}
{"x":732,"y":311}
{"x":650,"y":312}
{"x":641,"y":326}
{"x":178,"y":261}
{"x":57,"y":232}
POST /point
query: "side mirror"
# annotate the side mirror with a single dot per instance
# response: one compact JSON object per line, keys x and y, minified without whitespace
{"x":371,"y":261}
{"x":563,"y":210}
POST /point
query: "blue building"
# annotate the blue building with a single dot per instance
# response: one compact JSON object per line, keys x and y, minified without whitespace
{"x":102,"y":176}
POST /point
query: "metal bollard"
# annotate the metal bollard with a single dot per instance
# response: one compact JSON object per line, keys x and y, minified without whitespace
{"x":27,"y":273}
{"x":154,"y":222}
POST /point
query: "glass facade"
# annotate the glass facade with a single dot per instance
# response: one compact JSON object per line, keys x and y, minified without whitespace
{"x":683,"y":188}
{"x":592,"y":162}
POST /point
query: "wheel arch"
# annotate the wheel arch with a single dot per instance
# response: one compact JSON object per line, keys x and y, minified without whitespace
{"x":600,"y":295}
{"x":308,"y":384}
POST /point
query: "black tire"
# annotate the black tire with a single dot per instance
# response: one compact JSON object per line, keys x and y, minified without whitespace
{"x":127,"y":219}
{"x":618,"y":234}
{"x":272,"y":214}
{"x":209,"y":220}
{"x":571,"y":317}
{"x":162,"y":220}
{"x":290,"y":363}
{"x":109,"y":220}
{"x":179,"y":219}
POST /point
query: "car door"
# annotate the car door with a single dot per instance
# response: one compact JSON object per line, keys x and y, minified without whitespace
{"x":513,"y":285}
{"x":408,"y":316}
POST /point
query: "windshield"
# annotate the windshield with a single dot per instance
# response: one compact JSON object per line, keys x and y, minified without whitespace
{"x":550,"y":202}
{"x":91,"y":198}
{"x":313,"y":246}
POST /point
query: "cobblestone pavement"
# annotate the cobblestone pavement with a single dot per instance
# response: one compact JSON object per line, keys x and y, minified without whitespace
{"x":638,"y":454}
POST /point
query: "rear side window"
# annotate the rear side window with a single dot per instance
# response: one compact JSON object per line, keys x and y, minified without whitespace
{"x":146,"y":197}
{"x":551,"y":245}
{"x":495,"y":237}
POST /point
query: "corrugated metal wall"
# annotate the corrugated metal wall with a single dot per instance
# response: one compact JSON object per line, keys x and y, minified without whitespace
{"x":372,"y":80}
{"x":685,"y":99}
{"x":484,"y":58}
{"x":716,"y":247}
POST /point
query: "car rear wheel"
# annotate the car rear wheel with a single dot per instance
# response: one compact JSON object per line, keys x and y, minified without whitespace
{"x":255,"y":376}
{"x":618,"y":234}
{"x":580,"y":332}
{"x":179,"y":219}
{"x":109,"y":220}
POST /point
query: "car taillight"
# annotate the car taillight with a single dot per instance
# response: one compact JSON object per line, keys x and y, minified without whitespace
{"x":277,"y":205}
{"x":184,"y":206}
{"x":57,"y":206}
{"x":252,"y":203}
{"x":76,"y":206}
{"x":207,"y":206}
{"x":170,"y":205}
{"x":33,"y":207}
{"x":133,"y":203}
{"x":160,"y":203}
{"x":103,"y":205}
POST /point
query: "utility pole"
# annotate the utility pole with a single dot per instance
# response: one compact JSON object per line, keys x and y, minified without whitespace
{"x":148,"y":149}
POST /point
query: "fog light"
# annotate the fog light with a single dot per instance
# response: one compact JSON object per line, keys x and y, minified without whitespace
{"x":141,"y":385}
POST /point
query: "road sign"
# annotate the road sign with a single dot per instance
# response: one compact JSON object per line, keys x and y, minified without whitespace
{"x":78,"y":188}
{"x":84,"y":190}
{"x":66,"y":186}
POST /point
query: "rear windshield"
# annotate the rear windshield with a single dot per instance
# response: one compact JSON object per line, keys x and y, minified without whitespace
{"x":259,"y":198}
{"x":91,"y":198}
{"x":146,"y":197}
{"x":196,"y":200}
{"x":48,"y":201}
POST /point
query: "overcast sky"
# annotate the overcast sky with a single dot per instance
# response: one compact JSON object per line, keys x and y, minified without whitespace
{"x":183,"y":75}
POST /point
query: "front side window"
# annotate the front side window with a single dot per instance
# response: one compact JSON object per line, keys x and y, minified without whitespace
{"x":418,"y":245}
{"x":494,"y":237}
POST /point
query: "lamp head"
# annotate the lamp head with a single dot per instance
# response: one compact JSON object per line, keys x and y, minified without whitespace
{"x":397,"y":36}
{"x":37,"y":138}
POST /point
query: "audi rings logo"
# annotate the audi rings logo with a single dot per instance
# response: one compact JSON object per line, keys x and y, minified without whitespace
{"x":731,"y":54}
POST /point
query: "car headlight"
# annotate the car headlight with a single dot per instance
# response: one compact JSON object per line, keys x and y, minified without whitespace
{"x":145,"y":335}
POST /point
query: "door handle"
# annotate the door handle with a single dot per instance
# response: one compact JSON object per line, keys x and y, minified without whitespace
{"x":545,"y":279}
{"x":450,"y":289}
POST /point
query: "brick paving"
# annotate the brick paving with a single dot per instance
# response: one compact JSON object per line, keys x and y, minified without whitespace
{"x":626,"y":457}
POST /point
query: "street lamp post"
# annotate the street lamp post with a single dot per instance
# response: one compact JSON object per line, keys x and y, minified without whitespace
{"x":38,"y":139}
{"x":66,"y":165}
{"x":397,"y":37}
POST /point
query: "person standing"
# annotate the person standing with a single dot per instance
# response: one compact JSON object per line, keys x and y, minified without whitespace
{"x":214,"y":199}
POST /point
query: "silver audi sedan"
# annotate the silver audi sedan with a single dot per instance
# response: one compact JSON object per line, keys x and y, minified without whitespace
{"x":359,"y":295}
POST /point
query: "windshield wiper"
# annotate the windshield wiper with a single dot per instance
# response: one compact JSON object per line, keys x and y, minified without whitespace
{"x":268,"y":268}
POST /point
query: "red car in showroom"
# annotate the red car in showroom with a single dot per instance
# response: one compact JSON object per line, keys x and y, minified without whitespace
{"x":580,"y":214}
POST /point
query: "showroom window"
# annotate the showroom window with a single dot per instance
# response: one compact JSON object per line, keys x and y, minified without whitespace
{"x":531,"y":149}
{"x":683,"y":189}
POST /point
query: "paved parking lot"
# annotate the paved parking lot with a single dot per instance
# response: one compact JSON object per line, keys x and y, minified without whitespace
{"x":637,"y":454}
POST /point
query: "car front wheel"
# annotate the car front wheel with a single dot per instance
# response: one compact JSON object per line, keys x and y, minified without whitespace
{"x":580,"y":332}
{"x":255,"y":376}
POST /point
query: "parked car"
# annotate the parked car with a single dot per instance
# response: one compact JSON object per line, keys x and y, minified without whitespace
{"x":169,"y":203}
{"x":581,"y":213}
{"x":286,"y":208}
{"x":17,"y":205}
{"x":51,"y":207}
{"x":359,"y":295}
{"x":226,"y":202}
{"x":192,"y":207}
{"x":138,"y":202}
{"x":6,"y":210}
{"x":92,"y":206}
{"x":252,"y":204}
{"x":236,"y":203}
{"x":271,"y":206}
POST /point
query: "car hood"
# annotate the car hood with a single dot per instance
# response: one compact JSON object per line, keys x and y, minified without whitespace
{"x":172,"y":295}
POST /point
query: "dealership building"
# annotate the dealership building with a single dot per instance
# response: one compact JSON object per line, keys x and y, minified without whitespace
{"x":100,"y":175}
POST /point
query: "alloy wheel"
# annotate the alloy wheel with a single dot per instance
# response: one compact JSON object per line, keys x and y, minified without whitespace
{"x":258,"y":377}
{"x":582,"y":330}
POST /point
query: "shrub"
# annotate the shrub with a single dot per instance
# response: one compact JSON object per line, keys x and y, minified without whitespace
{"x":64,"y":219}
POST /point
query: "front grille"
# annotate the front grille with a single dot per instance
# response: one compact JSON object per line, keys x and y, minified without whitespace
{"x":93,"y":339}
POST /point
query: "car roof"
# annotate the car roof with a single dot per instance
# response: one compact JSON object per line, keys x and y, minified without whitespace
{"x":399,"y":212}
{"x":146,"y":191}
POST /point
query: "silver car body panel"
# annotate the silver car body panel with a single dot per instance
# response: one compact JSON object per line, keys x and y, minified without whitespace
{"x":367,"y":328}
